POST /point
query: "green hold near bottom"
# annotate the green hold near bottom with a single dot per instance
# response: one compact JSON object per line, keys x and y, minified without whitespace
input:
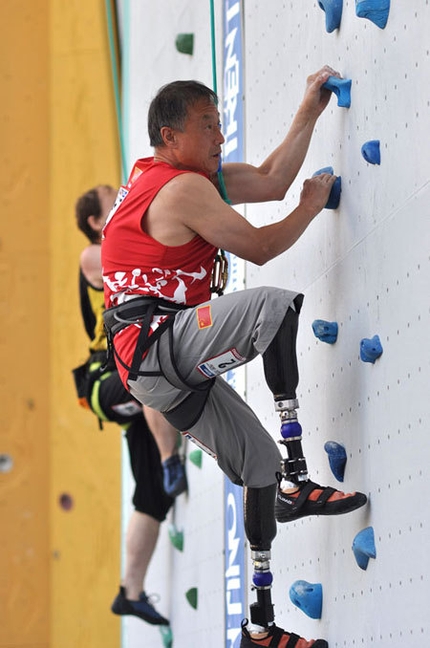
{"x":166,"y":635}
{"x":185,"y":43}
{"x":196,"y":457}
{"x":176,"y":538}
{"x":192,"y":596}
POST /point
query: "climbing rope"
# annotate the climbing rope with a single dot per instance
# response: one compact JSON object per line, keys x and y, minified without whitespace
{"x":220,"y":270}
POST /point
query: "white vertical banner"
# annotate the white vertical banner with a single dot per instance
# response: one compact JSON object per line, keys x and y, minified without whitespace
{"x":235,"y":573}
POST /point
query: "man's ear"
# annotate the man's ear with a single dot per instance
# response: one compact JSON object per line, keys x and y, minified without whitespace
{"x":169,"y":136}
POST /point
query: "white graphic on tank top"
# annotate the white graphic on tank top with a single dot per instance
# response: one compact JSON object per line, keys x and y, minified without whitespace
{"x":121,"y":195}
{"x":164,"y":284}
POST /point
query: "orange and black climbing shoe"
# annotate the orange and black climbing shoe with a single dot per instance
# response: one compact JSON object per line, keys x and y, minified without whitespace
{"x":313,"y":499}
{"x":276,"y":637}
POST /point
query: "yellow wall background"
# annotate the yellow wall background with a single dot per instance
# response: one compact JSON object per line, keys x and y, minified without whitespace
{"x":59,"y":569}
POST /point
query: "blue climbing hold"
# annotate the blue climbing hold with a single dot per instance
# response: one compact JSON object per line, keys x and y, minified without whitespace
{"x":374,"y":10}
{"x":363,"y":547}
{"x":341,"y":88}
{"x":325,"y":331}
{"x":371,"y":152}
{"x":370,"y":349}
{"x":334,"y":197}
{"x":333,"y":13}
{"x":337,"y":458}
{"x":307,"y":597}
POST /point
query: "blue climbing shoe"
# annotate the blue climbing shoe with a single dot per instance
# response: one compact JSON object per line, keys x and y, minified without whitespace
{"x":142,"y":608}
{"x":174,"y":477}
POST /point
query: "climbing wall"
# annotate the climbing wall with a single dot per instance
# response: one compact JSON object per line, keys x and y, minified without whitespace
{"x":364,"y":266}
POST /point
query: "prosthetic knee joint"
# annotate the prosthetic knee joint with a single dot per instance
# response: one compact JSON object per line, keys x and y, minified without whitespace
{"x":294,"y":468}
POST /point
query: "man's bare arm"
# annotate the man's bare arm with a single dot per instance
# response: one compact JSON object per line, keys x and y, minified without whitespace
{"x":271,"y":180}
{"x":91,"y":265}
{"x":192,"y":205}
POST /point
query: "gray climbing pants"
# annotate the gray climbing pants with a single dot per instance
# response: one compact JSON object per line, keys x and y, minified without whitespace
{"x":205,"y":342}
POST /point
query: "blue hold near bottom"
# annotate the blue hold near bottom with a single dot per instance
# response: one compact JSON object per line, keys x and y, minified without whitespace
{"x":333,"y":13}
{"x":341,"y":88}
{"x":363,"y":547}
{"x":337,"y":458}
{"x":374,"y":10}
{"x":334,"y":197}
{"x":307,"y":597}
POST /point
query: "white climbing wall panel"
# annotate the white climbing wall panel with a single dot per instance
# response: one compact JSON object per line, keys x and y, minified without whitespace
{"x":366,"y":266}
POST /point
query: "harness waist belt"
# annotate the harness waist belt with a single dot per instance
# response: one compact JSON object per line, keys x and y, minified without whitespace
{"x":118,"y":317}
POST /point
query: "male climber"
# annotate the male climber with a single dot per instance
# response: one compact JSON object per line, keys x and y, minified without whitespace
{"x":172,"y":343}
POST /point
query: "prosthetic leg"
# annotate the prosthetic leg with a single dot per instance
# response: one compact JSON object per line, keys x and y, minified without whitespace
{"x":260,"y":529}
{"x":282,"y":377}
{"x":280,"y":366}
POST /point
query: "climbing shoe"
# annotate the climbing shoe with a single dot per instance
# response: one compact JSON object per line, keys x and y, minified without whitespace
{"x":174,"y":477}
{"x":312,"y":499}
{"x":142,"y":608}
{"x":275,"y":636}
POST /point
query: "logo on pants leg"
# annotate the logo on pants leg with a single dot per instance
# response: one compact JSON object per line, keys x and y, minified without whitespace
{"x":204,"y":317}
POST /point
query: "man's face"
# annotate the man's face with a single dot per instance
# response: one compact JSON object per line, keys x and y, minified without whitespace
{"x":199,"y":145}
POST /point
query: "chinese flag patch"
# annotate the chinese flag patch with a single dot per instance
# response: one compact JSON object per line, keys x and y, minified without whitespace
{"x":204,"y":317}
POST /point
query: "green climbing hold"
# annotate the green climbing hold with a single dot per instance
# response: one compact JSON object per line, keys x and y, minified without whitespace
{"x":176,"y":538}
{"x":166,"y":635}
{"x":192,"y":596}
{"x":185,"y":43}
{"x":196,"y":457}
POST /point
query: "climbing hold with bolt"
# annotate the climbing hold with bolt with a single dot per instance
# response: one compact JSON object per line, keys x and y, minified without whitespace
{"x":325,"y":331}
{"x":370,"y":349}
{"x":307,"y":597}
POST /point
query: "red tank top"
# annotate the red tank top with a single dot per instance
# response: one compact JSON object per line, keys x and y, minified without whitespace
{"x":136,"y":264}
